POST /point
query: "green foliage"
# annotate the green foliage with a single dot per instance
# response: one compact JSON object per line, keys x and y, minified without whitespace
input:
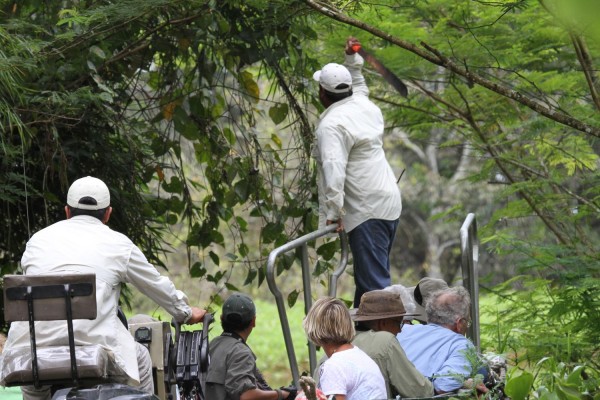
{"x":473,"y":144}
{"x":198,"y":116}
{"x":545,"y":318}
{"x":518,"y":386}
{"x":175,"y":105}
{"x":558,"y":380}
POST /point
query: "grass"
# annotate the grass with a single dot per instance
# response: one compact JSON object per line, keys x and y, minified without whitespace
{"x":10,"y":393}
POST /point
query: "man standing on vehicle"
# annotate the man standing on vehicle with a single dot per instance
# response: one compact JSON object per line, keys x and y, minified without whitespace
{"x":357,"y":187}
{"x":232,"y":372}
{"x":83,"y":243}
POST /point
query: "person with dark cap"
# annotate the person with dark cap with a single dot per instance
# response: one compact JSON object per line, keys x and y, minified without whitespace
{"x":232,"y":372}
{"x":379,"y":319}
{"x":83,"y":243}
{"x":356,"y":185}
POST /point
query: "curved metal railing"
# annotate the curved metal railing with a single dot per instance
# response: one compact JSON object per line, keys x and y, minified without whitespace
{"x":469,"y":247}
{"x":302,"y":243}
{"x":469,"y":263}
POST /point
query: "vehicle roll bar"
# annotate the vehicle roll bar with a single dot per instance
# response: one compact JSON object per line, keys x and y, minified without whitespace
{"x":469,"y":264}
{"x":306,"y":274}
{"x":469,"y":248}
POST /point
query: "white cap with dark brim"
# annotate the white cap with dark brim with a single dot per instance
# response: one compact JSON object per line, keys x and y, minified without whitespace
{"x":334,"y":78}
{"x":88,"y":193}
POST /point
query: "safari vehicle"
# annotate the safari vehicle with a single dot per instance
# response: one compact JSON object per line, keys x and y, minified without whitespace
{"x":180,"y":360}
{"x":469,"y":260}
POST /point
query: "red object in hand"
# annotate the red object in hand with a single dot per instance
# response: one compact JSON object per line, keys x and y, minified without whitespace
{"x":355,"y":48}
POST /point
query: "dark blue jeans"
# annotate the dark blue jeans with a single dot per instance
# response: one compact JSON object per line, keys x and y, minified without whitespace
{"x":371,"y":243}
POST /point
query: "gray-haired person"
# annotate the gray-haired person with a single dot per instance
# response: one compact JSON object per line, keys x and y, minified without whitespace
{"x":439,"y":349}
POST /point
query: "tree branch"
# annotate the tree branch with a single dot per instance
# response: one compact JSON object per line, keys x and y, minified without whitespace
{"x":586,"y":64}
{"x":435,"y":57}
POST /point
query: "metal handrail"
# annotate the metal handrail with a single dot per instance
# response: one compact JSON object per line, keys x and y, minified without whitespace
{"x":302,"y":242}
{"x":469,"y":247}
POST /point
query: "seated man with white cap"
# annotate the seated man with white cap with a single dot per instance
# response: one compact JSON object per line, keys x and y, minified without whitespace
{"x":83,"y":243}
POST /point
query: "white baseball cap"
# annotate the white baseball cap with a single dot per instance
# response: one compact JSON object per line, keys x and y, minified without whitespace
{"x":88,"y":193}
{"x":332,"y":76}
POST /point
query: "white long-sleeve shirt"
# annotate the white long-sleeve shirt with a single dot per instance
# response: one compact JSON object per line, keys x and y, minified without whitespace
{"x":356,"y":182}
{"x":83,"y":244}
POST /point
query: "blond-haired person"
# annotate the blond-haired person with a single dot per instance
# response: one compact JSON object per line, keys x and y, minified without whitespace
{"x":348,"y":373}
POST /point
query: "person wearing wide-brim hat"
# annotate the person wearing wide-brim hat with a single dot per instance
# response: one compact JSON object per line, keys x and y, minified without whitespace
{"x":380,"y":314}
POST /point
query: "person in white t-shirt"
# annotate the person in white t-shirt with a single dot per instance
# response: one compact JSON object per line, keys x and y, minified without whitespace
{"x":349,"y":373}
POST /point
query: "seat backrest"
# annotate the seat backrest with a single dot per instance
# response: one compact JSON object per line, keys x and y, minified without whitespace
{"x":48,"y":296}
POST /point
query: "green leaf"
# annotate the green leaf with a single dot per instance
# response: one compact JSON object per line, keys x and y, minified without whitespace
{"x":241,"y":190}
{"x":574,"y":377}
{"x":277,"y":140}
{"x":184,"y":124}
{"x":546,"y":395}
{"x":98,"y":52}
{"x":252,"y":273}
{"x":518,"y":387}
{"x":320,"y":268}
{"x":568,"y":392}
{"x":249,"y":84}
{"x":223,"y":24}
{"x":214,"y":257}
{"x":174,"y":186}
{"x":230,"y":136}
{"x":328,"y":250}
{"x":243,"y":249}
{"x":242,"y":223}
{"x":215,"y":278}
{"x":278,"y":113}
{"x":172,"y":219}
{"x":292,"y":297}
{"x":197,"y":270}
{"x":271,"y":232}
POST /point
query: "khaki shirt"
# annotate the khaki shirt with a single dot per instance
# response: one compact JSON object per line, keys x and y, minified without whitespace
{"x":232,"y":369}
